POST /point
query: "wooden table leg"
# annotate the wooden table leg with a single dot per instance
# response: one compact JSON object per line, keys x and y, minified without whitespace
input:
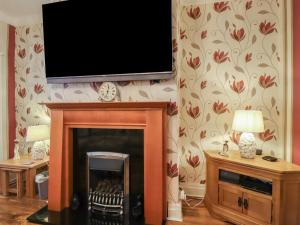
{"x":19,"y":184}
{"x":4,"y":182}
{"x":30,"y":183}
{"x":0,"y":182}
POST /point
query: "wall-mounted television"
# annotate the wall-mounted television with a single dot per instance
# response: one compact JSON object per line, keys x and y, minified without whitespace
{"x":111,"y":40}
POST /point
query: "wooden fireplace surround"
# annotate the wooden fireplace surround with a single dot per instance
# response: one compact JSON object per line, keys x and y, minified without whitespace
{"x":148,"y":116}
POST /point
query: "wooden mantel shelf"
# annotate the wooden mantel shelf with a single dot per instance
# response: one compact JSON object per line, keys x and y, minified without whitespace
{"x":106,"y":105}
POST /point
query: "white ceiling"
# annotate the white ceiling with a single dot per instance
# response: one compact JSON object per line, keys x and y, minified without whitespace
{"x":22,"y":12}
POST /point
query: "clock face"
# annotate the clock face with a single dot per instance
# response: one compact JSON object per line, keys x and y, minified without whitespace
{"x":108,"y":91}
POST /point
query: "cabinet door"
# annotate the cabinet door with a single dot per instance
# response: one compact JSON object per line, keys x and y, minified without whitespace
{"x":257,"y":206}
{"x":231,"y":197}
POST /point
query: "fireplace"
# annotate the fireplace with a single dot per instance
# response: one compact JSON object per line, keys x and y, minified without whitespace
{"x":108,"y":171}
{"x":69,"y":118}
{"x":108,"y":183}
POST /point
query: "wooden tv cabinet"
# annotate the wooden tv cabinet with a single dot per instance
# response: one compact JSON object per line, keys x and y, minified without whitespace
{"x":236,"y":204}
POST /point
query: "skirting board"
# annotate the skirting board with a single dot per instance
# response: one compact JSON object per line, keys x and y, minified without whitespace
{"x":194,"y":189}
{"x":175,"y":211}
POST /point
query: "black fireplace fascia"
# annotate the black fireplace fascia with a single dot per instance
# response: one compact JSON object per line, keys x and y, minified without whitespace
{"x":123,"y":141}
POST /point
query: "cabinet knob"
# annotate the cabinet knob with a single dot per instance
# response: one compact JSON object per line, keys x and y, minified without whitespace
{"x":240,"y":202}
{"x":246,"y":204}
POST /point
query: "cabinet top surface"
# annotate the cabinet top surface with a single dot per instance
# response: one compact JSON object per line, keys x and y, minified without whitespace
{"x":279,"y":166}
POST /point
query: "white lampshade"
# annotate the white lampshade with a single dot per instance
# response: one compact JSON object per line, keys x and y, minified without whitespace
{"x":248,"y":121}
{"x":38,"y":133}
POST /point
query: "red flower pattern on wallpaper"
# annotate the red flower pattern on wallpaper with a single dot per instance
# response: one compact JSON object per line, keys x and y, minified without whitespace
{"x":194,"y":62}
{"x":194,"y":13}
{"x":38,"y":48}
{"x":267,"y":28}
{"x":182,"y":83}
{"x":238,"y":34}
{"x":123,"y":83}
{"x":220,"y":108}
{"x":203,"y":134}
{"x":181,"y":178}
{"x":22,"y":53}
{"x":172,"y":169}
{"x":28,"y":110}
{"x":238,"y":86}
{"x":182,"y":34}
{"x":248,"y":57}
{"x":152,"y":82}
{"x":235,"y":137}
{"x":38,"y":88}
{"x":193,"y":161}
{"x":221,"y":57}
{"x":221,"y":6}
{"x":204,"y":34}
{"x":28,"y":70}
{"x":248,"y":5}
{"x":182,"y":132}
{"x":172,"y":109}
{"x":175,"y":45}
{"x":193,"y":112}
{"x":22,"y":92}
{"x":22,"y":132}
{"x":203,"y":84}
{"x":268,"y":135}
{"x":266,"y":81}
{"x":95,"y":86}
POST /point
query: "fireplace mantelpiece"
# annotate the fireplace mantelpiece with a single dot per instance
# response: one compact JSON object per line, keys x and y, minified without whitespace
{"x":149,"y":116}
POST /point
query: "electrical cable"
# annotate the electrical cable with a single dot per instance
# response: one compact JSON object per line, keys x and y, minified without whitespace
{"x":201,"y":200}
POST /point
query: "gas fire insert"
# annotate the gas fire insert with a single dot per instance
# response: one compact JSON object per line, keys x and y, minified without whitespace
{"x":108,"y":183}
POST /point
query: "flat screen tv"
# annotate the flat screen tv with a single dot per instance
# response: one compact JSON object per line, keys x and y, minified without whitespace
{"x":111,"y":40}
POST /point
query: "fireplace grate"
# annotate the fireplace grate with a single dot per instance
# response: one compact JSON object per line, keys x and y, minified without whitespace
{"x":106,"y":202}
{"x":108,"y":183}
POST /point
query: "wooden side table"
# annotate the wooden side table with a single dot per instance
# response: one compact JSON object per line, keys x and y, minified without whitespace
{"x":6,"y":189}
{"x":20,"y":167}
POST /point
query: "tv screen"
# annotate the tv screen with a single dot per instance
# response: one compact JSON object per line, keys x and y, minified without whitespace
{"x":107,"y":40}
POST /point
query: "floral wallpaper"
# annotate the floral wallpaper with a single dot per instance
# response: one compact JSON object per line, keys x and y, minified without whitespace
{"x":228,"y":55}
{"x":231,"y":57}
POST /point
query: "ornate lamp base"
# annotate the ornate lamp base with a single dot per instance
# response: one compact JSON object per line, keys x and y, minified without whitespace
{"x":247,"y":146}
{"x":38,"y":150}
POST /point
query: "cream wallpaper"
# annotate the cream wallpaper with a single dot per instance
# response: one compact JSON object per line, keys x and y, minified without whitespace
{"x":228,"y":55}
{"x":231,"y":57}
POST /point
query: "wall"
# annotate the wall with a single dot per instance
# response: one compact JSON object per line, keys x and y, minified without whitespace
{"x":296,"y":110}
{"x":232,"y":57}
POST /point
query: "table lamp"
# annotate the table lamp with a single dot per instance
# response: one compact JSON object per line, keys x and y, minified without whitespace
{"x":248,"y":122}
{"x":38,"y":134}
